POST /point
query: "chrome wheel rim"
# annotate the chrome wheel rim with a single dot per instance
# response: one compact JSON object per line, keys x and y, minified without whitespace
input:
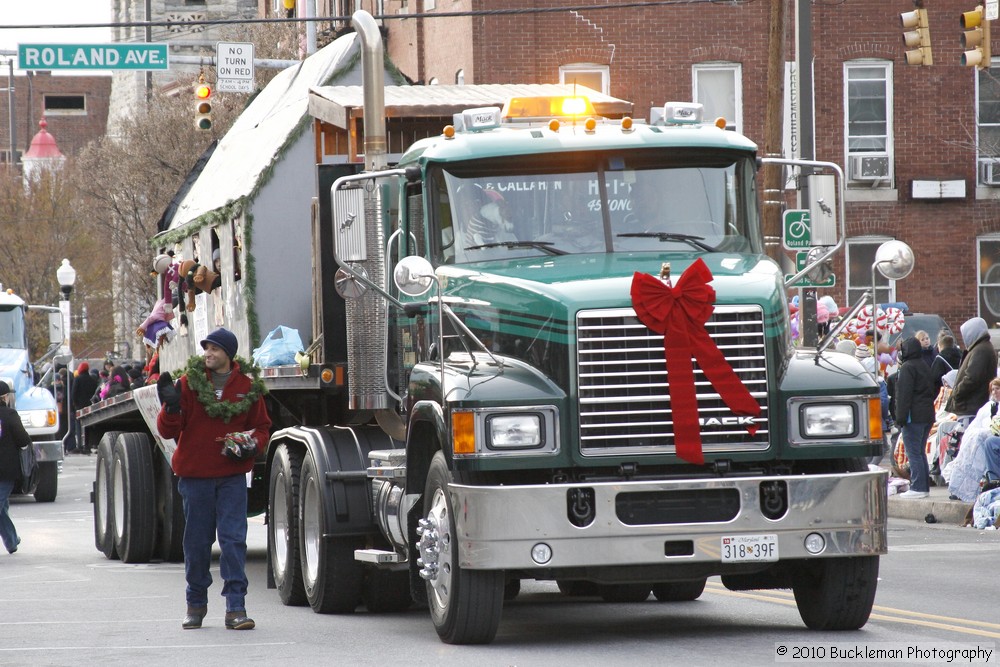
{"x":435,"y":550}
{"x":279,"y":527}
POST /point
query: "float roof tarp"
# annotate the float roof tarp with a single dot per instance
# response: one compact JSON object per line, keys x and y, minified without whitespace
{"x":257,"y":139}
{"x":335,"y":104}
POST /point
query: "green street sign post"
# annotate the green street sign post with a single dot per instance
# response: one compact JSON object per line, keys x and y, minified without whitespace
{"x":801,"y":258}
{"x":796,"y":231}
{"x":92,"y":57}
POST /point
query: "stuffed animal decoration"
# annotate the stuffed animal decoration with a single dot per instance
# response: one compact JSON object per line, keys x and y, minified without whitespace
{"x":187,"y":273}
{"x":156,"y":328}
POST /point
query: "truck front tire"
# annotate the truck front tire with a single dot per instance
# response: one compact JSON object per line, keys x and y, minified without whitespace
{"x":465,"y":605}
{"x":836,"y":593}
{"x":48,"y":481}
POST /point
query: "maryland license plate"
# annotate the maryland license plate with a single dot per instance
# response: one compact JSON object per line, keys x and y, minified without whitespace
{"x":748,"y":548}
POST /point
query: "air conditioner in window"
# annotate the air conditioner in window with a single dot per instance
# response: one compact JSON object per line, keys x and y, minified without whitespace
{"x":989,"y":173}
{"x":869,"y":168}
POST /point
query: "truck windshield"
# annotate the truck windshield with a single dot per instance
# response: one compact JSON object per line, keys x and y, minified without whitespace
{"x":12,"y":328}
{"x":585,"y":203}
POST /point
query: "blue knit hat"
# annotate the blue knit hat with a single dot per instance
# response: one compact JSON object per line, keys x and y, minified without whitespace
{"x":224,"y":339}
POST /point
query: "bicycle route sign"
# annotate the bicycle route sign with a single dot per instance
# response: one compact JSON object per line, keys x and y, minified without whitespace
{"x":796,"y":233}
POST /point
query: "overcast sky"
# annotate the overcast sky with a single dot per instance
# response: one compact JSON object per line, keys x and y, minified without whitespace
{"x":61,"y":12}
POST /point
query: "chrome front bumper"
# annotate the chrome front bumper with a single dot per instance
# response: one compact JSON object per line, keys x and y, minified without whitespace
{"x":48,"y":450}
{"x":499,"y":525}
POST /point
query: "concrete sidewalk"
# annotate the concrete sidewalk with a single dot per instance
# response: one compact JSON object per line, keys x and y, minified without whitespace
{"x":951,"y":512}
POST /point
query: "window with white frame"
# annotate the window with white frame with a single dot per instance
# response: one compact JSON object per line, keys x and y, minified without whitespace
{"x":868,"y":121}
{"x":988,"y":278}
{"x":988,"y":126}
{"x":595,"y":77}
{"x":719,"y":88}
{"x":860,"y":257}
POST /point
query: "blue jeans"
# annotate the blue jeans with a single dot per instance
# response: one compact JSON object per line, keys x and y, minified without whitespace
{"x":991,"y":448}
{"x":7,"y":531}
{"x":915,"y":441}
{"x":215,"y":506}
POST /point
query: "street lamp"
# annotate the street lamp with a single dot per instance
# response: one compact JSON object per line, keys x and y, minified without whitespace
{"x":66,"y":275}
{"x":894,"y":260}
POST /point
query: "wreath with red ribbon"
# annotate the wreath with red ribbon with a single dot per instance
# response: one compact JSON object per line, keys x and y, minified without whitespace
{"x":679,"y":313}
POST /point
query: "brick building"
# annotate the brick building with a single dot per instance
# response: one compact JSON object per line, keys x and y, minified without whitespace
{"x":893,"y":127}
{"x":75,"y":108}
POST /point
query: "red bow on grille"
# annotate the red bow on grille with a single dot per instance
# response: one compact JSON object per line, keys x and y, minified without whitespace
{"x":680,"y":314}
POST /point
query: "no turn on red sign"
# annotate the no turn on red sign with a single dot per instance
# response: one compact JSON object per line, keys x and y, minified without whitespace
{"x":234,"y":68}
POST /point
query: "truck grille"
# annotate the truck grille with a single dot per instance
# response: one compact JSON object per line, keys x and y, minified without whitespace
{"x":624,"y":399}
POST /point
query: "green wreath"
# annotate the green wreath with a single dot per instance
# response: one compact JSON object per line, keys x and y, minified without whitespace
{"x":199,"y":383}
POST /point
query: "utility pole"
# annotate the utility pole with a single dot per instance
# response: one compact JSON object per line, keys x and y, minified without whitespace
{"x":774,"y":196}
{"x":807,"y":149}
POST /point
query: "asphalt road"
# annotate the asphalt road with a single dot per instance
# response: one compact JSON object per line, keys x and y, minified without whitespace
{"x":63,"y":603}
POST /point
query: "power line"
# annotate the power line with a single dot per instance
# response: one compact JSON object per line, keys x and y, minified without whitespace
{"x":386,"y":17}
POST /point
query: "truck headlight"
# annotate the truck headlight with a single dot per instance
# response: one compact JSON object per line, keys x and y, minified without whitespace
{"x":519,"y":431}
{"x":829,"y":420}
{"x":38,"y":418}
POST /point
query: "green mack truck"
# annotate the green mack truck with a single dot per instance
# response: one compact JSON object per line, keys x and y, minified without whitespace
{"x":528,"y":299}
{"x":502,"y":379}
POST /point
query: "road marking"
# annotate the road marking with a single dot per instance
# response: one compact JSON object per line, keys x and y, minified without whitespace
{"x":124,"y":647}
{"x":922,"y":619}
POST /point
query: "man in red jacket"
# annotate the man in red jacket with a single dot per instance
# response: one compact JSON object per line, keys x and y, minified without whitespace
{"x":218,"y":417}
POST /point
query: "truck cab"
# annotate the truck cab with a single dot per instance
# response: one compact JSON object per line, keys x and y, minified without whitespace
{"x":35,"y":404}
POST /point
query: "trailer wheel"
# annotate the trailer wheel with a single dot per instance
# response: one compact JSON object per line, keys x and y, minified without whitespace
{"x":333,"y":580}
{"x":283,"y":527}
{"x":679,"y":591}
{"x":836,"y":593}
{"x":623,"y":592}
{"x":133,"y":497}
{"x":465,"y":605}
{"x":48,"y":481}
{"x":169,"y":513}
{"x":104,"y":531}
{"x":387,"y":591}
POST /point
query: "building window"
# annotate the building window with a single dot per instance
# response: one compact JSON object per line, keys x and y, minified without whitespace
{"x":65,"y":105}
{"x":429,"y":5}
{"x":719,"y":88}
{"x":860,"y":257}
{"x":595,"y":77}
{"x":868,"y":122}
{"x":988,"y":279}
{"x":988,"y":126}
{"x":460,"y":77}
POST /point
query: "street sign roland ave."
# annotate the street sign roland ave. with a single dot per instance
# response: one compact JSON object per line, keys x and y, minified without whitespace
{"x":92,"y":56}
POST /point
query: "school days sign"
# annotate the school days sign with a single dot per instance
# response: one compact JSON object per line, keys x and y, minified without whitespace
{"x":92,"y":56}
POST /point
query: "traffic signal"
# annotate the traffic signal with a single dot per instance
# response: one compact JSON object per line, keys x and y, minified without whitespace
{"x":976,"y":38}
{"x":917,"y":37}
{"x":203,"y":107}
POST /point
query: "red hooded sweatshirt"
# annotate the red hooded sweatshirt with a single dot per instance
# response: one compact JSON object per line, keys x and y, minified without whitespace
{"x":198,"y":436}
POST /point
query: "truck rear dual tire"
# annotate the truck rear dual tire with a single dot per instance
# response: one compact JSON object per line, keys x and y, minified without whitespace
{"x":133,"y":498}
{"x":104,"y":532}
{"x":169,"y":513}
{"x":332,"y":579}
{"x":836,"y":593}
{"x":283,"y":525}
{"x":465,"y":605}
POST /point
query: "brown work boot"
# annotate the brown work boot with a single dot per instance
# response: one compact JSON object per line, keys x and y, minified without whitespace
{"x":238,"y":620}
{"x":194,"y":617}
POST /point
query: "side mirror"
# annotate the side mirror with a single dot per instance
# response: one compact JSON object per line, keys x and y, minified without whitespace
{"x":55,"y":327}
{"x":414,"y":275}
{"x":894,"y":259}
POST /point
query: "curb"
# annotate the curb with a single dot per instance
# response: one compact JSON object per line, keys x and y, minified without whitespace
{"x":945,"y":511}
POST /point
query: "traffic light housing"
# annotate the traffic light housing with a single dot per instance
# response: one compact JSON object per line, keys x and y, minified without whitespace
{"x":917,"y":37}
{"x":203,"y":107}
{"x":976,"y":38}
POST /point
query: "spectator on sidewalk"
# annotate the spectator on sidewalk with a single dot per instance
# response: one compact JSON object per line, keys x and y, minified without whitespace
{"x":978,"y":367}
{"x":914,"y":400}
